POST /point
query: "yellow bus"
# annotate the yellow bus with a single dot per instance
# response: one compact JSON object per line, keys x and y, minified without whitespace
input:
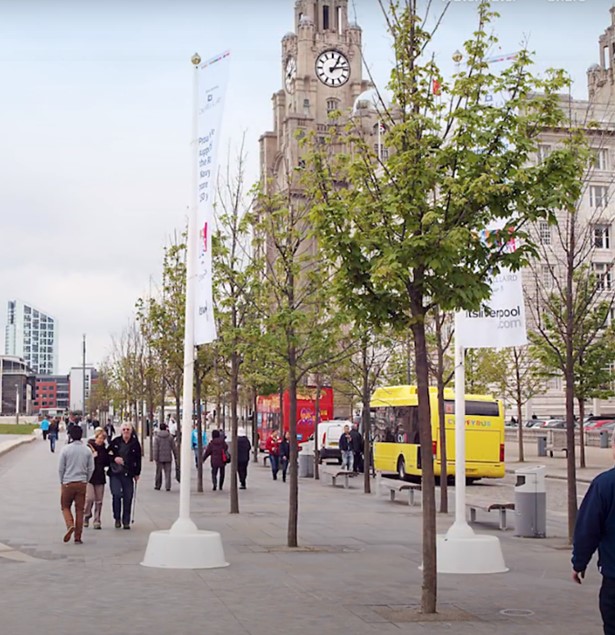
{"x":395,"y":429}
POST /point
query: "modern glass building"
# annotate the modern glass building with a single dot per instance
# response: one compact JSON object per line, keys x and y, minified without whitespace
{"x":33,"y":336}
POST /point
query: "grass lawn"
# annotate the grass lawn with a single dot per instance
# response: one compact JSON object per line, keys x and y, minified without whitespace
{"x":21,"y":428}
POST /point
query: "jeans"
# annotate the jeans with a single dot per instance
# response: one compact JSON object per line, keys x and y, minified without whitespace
{"x":94,"y":496}
{"x":214,"y":474}
{"x":196,"y":456}
{"x":52,"y":442}
{"x":242,"y":472}
{"x":607,"y":605}
{"x":284,"y":466}
{"x":73,"y":493}
{"x":358,"y":462}
{"x":347,"y":456}
{"x":122,"y":490}
{"x":274,"y":461}
{"x":160,"y":468}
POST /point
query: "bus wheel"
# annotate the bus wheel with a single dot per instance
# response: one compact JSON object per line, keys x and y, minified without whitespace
{"x":401,"y":469}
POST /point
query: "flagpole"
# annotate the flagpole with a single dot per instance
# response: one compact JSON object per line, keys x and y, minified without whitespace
{"x":184,"y":523}
{"x":185,"y":546}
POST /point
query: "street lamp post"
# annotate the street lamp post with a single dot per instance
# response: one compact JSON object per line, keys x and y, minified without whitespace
{"x":17,"y":403}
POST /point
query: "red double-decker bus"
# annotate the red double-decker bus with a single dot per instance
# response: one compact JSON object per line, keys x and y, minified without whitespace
{"x":268,"y":412}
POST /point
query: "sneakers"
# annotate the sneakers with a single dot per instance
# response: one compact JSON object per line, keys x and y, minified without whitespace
{"x":118,"y":524}
{"x":97,"y":525}
{"x":242,"y":487}
{"x":126,"y":526}
{"x":86,"y":521}
{"x":69,"y":533}
{"x":78,"y":541}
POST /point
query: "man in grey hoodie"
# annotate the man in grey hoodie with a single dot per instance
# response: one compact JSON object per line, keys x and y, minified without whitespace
{"x":164,"y":452}
{"x":75,"y":469}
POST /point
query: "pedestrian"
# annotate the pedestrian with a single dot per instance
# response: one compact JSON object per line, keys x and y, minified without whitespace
{"x":45,"y":427}
{"x":165,"y":451}
{"x":75,"y":468}
{"x":53,"y":433}
{"x":110,"y":429}
{"x":272,"y":445}
{"x":217,"y":449}
{"x":195,"y":442}
{"x":95,"y":489}
{"x":345,"y":445}
{"x":243,"y":456}
{"x":595,"y":529}
{"x":173,"y":427}
{"x":285,"y":454}
{"x":124,"y":471}
{"x":357,"y":449}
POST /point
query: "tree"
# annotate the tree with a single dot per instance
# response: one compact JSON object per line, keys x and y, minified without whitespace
{"x":518,"y":376}
{"x":302,"y":334}
{"x":404,"y":229}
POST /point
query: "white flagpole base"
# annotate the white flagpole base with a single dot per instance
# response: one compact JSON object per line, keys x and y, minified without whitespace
{"x":198,"y":549}
{"x":469,"y":554}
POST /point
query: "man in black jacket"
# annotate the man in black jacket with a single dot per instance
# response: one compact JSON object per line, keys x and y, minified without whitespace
{"x":357,"y":449}
{"x":124,"y":471}
{"x":595,"y":529}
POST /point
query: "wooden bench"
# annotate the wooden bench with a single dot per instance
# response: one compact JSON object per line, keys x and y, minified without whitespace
{"x":489,"y":507}
{"x":555,"y":448}
{"x":399,"y":486}
{"x":335,"y":473}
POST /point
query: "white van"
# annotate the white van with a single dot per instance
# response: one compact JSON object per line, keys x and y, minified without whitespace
{"x":329,"y":433}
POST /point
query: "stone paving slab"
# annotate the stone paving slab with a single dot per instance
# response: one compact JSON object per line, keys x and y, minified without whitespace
{"x":357,"y":572}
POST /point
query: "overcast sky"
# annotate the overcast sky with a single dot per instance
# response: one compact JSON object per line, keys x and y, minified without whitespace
{"x":95,"y":117}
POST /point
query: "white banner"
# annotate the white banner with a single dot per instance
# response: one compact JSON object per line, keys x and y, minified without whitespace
{"x":500,"y":322}
{"x":213,"y":76}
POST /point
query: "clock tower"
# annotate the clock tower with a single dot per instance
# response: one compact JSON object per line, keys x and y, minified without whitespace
{"x":321,"y":72}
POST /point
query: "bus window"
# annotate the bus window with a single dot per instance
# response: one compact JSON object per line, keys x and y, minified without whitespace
{"x":476,"y":408}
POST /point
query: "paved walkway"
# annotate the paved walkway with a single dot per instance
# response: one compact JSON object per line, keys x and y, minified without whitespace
{"x":356,"y":573}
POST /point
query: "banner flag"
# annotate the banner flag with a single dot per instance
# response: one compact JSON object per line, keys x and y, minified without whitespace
{"x":500,"y":322}
{"x":213,"y":77}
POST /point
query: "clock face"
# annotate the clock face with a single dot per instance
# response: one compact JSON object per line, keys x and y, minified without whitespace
{"x":332,"y":68}
{"x":290,"y":74}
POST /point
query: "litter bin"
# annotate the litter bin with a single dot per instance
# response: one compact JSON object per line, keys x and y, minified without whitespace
{"x":604,"y":438}
{"x":306,"y":465}
{"x":542,"y":445}
{"x":531,"y":502}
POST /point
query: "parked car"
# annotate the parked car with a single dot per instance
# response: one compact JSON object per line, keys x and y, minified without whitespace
{"x":598,"y":424}
{"x":534,"y":423}
{"x":554,"y":424}
{"x":329,"y":433}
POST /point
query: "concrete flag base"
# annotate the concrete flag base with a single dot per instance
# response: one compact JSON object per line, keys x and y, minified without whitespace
{"x":198,"y":549}
{"x":472,"y":554}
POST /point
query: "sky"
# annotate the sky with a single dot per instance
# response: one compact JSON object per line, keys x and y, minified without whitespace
{"x":95,"y":126}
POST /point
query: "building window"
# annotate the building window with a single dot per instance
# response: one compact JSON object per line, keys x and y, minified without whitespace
{"x":598,"y":195}
{"x":306,"y":106}
{"x":602,"y":272}
{"x":602,"y":236}
{"x":600,"y":158}
{"x":546,"y":277}
{"x":339,"y":20}
{"x":543,"y":151}
{"x":325,"y":18}
{"x":544,"y":232}
{"x":555,"y":383}
{"x":332,"y":104}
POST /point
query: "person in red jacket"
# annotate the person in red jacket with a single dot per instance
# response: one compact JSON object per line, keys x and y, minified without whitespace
{"x":272,"y":445}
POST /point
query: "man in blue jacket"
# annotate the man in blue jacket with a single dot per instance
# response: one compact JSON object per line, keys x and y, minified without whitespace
{"x":195,"y":442}
{"x":595,"y":529}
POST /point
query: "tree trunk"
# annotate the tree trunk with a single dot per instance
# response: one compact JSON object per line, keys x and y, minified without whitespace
{"x":234,"y":425}
{"x":293,"y":500}
{"x":441,"y":416}
{"x":581,"y":434}
{"x":430,"y":579}
{"x":569,"y":377}
{"x":281,"y":417}
{"x":519,"y":404}
{"x":254,"y":428}
{"x":316,"y":422}
{"x":199,"y":425}
{"x":365,"y":418}
{"x":150,"y":409}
